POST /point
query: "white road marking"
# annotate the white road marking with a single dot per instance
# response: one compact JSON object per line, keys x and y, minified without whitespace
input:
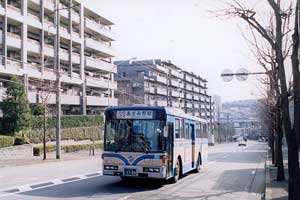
{"x":125,"y":197}
{"x":28,"y":187}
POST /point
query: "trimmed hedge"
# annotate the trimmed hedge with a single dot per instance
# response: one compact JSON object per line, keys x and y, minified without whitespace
{"x":77,"y":134}
{"x":38,"y":150}
{"x":6,"y":141}
{"x":68,"y":121}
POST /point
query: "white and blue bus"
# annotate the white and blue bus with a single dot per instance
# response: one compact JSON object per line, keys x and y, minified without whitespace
{"x":153,"y":142}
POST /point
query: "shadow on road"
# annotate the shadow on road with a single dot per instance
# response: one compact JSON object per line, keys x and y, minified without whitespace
{"x":241,"y":180}
{"x":237,"y":157}
{"x":98,"y":186}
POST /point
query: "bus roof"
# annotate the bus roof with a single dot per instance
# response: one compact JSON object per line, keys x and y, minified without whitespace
{"x":170,"y":111}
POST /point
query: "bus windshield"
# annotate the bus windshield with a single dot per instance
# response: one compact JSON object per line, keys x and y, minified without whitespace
{"x":133,"y":135}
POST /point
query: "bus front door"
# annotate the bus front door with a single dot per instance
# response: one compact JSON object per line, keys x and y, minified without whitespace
{"x":170,"y":149}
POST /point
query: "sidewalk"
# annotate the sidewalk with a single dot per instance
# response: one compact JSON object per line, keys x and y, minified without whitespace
{"x":276,"y":190}
{"x":15,"y":174}
{"x":51,"y":157}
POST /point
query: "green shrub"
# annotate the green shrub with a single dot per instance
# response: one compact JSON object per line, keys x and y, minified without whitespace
{"x":6,"y":141}
{"x":68,"y":121}
{"x":77,"y":134}
{"x":38,"y":150}
{"x":19,"y":140}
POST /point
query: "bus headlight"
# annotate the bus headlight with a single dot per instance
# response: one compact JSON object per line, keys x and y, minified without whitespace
{"x":151,"y":169}
{"x":110,"y":167}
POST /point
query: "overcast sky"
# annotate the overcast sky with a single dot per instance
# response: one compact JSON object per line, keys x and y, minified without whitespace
{"x":184,"y":32}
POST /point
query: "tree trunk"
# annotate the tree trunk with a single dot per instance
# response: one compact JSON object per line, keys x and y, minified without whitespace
{"x":44,"y":136}
{"x":293,"y":156}
{"x":296,"y":77}
{"x":279,"y":162}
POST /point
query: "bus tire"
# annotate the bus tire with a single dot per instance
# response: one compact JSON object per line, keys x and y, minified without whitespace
{"x":198,"y":165}
{"x":176,"y":176}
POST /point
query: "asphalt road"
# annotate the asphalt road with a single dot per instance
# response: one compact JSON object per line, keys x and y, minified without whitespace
{"x":232,"y":173}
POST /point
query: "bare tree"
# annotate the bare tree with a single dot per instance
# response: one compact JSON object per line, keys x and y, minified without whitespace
{"x":46,"y":88}
{"x":277,"y":40}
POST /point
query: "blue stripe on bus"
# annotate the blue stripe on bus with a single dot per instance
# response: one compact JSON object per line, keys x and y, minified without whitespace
{"x":135,"y":162}
{"x":112,"y":155}
{"x":143,"y":157}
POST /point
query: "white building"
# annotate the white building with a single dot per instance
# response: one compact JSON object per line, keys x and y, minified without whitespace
{"x":27,"y":38}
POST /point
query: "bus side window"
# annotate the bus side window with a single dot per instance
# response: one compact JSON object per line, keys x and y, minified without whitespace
{"x":182,"y":131}
{"x":198,"y":130}
{"x":177,"y":128}
{"x":186,"y":131}
{"x":205,"y":131}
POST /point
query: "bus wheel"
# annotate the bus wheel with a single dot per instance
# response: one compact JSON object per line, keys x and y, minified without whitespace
{"x":177,"y":172}
{"x":198,"y":165}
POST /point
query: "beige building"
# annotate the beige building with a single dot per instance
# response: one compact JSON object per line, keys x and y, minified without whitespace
{"x":27,"y":39}
{"x":162,"y":83}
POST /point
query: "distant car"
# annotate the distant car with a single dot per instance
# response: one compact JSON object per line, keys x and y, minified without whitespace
{"x":262,"y":139}
{"x":242,"y":142}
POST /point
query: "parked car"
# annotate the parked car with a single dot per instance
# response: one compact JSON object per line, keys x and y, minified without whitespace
{"x":242,"y":141}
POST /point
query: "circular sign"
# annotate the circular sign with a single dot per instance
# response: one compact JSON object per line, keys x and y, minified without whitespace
{"x":242,"y":74}
{"x":227,"y":75}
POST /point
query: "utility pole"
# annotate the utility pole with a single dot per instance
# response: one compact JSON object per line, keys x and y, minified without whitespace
{"x":58,"y":82}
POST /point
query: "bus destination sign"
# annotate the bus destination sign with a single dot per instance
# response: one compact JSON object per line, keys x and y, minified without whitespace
{"x":134,"y":114}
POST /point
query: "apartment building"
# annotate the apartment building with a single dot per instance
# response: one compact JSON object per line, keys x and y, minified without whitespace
{"x":28,"y":34}
{"x":194,"y":98}
{"x":162,"y":83}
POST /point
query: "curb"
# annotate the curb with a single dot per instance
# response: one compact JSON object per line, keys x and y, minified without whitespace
{"x":40,"y":185}
{"x":268,"y":191}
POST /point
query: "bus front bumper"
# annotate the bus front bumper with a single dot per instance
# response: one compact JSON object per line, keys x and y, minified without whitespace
{"x":135,"y":171}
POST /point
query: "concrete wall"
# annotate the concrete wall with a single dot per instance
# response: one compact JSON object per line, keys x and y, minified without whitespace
{"x":16,"y":152}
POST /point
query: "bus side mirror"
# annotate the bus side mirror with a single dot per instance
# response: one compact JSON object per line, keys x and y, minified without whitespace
{"x":166,"y":131}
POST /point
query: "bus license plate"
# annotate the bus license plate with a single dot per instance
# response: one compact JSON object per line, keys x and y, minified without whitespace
{"x":130,"y":172}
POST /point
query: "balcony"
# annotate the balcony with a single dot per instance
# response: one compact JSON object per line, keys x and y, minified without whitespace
{"x":14,"y":8}
{"x":150,"y":90}
{"x":99,"y":46}
{"x":99,"y":28}
{"x":174,"y":83}
{"x":33,"y":46}
{"x":75,"y":57}
{"x":188,"y":96}
{"x":174,"y":73}
{"x":63,"y":12}
{"x":175,"y":104}
{"x":161,"y":79}
{"x":37,"y":2}
{"x":196,"y":106}
{"x":162,"y":103}
{"x":161,"y":91}
{"x":49,"y":4}
{"x":13,"y":63}
{"x":100,"y":83}
{"x":196,"y":98}
{"x":188,"y":79}
{"x":189,"y":105}
{"x":37,"y":97}
{"x":175,"y":93}
{"x":162,"y":69}
{"x":64,"y":54}
{"x":101,"y":101}
{"x":64,"y":32}
{"x":97,"y":63}
{"x":49,"y":50}
{"x":34,"y":20}
{"x":75,"y":16}
{"x":14,"y":40}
